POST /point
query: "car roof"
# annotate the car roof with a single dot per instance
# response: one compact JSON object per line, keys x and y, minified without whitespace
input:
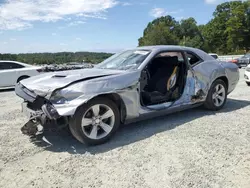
{"x":202,"y":54}
{"x":9,"y":61}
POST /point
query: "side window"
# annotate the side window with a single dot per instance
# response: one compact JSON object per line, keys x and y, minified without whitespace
{"x":9,"y":65}
{"x":192,"y":58}
{"x":4,"y":66}
{"x":15,"y":66}
{"x":1,"y":66}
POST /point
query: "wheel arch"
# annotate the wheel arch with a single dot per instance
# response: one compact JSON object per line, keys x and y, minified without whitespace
{"x":224,"y":79}
{"x":118,"y":101}
{"x":22,"y":77}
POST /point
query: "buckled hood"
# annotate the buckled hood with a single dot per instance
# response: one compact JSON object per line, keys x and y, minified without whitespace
{"x":48,"y":82}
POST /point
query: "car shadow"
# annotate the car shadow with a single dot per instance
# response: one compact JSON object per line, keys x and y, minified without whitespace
{"x":2,"y":90}
{"x":63,"y":141}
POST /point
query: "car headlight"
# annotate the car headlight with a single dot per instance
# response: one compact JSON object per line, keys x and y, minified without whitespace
{"x":248,"y":69}
{"x":65,"y":95}
{"x":76,"y":90}
{"x":58,"y":99}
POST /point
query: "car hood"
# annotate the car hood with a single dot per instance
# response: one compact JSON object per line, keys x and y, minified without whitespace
{"x":48,"y":82}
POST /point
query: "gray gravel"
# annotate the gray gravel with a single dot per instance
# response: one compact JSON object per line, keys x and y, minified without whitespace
{"x":195,"y":148}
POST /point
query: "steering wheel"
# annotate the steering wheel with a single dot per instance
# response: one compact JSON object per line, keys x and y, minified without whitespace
{"x":145,"y":76}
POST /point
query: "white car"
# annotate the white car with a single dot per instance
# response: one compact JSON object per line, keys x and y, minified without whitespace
{"x":11,"y":72}
{"x":215,"y":56}
{"x":247,"y":75}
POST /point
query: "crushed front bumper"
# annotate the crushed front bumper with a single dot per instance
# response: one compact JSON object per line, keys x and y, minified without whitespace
{"x":35,"y":105}
{"x":39,"y":111}
{"x":47,"y":111}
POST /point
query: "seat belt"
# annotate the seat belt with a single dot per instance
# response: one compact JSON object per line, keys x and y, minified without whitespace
{"x":172,"y":79}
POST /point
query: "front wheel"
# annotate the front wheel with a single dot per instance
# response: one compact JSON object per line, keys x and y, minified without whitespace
{"x":217,"y":96}
{"x":248,"y":83}
{"x":95,"y":122}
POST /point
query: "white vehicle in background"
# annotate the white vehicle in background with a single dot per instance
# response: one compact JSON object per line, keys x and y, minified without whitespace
{"x":215,"y":56}
{"x":11,"y":72}
{"x":247,"y":75}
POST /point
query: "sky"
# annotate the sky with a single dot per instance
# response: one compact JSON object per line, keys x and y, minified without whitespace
{"x":28,"y":26}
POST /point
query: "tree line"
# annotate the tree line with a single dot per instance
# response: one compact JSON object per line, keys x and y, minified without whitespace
{"x":228,"y":32}
{"x":56,"y":58}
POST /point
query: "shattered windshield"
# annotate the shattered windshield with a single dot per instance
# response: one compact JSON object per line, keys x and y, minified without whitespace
{"x":130,"y":59}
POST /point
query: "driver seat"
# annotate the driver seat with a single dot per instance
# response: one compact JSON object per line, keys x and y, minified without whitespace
{"x":157,"y":93}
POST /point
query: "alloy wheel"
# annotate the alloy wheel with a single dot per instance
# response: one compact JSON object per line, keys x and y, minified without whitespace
{"x":98,"y":121}
{"x":219,"y":95}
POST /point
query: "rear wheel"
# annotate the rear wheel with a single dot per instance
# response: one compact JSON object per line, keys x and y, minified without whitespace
{"x":217,"y":96}
{"x":95,"y":122}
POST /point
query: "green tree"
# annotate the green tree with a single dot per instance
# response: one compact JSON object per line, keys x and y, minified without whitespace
{"x":160,"y":31}
{"x":229,"y":30}
{"x":190,"y":34}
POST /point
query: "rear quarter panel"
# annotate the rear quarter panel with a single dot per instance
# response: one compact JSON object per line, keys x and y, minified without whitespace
{"x":8,"y":78}
{"x":29,"y":71}
{"x":232,"y":73}
{"x":207,"y":72}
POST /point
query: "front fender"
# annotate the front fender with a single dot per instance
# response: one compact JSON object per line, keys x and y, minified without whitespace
{"x":130,"y":98}
{"x":126,"y":86}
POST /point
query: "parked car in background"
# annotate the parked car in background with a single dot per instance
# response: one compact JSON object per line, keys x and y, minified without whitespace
{"x":215,"y":56}
{"x":242,"y":61}
{"x":247,"y":75}
{"x":129,"y":86}
{"x":11,"y":72}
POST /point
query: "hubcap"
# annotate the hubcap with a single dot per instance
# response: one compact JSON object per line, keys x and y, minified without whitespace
{"x":98,"y":121}
{"x":219,"y":95}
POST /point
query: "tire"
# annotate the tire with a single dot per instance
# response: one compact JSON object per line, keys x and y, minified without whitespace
{"x":248,"y":83}
{"x":213,"y":101}
{"x":22,"y":78}
{"x":84,"y":134}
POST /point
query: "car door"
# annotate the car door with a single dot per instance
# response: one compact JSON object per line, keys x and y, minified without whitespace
{"x":9,"y":73}
{"x":189,"y":80}
{"x":195,"y":77}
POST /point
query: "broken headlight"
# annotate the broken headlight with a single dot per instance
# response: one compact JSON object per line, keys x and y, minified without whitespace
{"x":58,"y":99}
{"x":65,"y":95}
{"x":76,"y":90}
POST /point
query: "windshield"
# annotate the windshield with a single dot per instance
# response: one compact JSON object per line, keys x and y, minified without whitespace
{"x":130,"y":59}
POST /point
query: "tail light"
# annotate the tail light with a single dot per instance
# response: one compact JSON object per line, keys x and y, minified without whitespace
{"x":234,"y":61}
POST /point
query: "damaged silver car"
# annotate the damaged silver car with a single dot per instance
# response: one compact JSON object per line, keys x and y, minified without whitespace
{"x":130,"y":86}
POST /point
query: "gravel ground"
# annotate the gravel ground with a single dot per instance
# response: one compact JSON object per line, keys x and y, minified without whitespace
{"x":194,"y":148}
